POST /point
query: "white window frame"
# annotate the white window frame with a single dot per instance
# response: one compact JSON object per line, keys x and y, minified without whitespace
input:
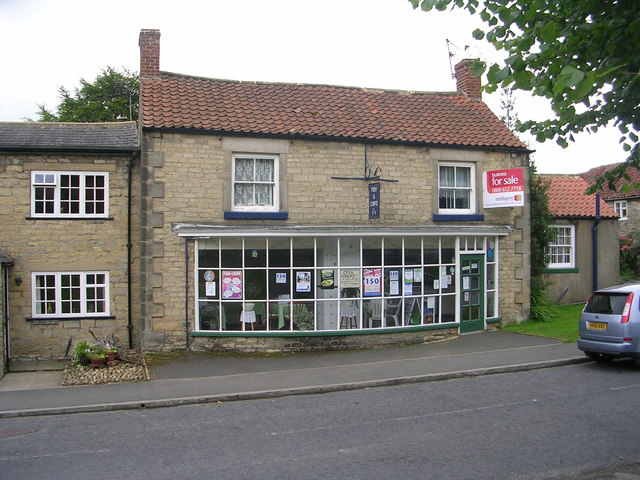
{"x":620,"y":207}
{"x":556,"y":249}
{"x":53,"y":181}
{"x":471,"y":189}
{"x":275,"y":207}
{"x":53,"y":304}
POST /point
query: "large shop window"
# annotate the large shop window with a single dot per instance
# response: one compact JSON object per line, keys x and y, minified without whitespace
{"x":329,"y":283}
{"x":70,"y":294}
{"x":561,"y":249}
{"x":69,"y":194}
{"x":255,"y":183}
{"x":456,"y":193}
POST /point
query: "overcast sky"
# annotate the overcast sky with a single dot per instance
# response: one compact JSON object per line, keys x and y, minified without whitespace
{"x":372,"y":43}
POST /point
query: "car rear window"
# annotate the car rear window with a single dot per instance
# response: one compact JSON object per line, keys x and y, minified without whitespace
{"x":607,"y":303}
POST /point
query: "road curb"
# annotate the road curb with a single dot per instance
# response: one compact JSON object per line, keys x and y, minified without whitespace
{"x":318,"y":389}
{"x":310,"y":390}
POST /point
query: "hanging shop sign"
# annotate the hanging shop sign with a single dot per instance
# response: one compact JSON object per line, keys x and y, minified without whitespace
{"x":374,"y":201}
{"x":503,"y":188}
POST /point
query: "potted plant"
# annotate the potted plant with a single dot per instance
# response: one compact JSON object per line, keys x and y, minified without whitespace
{"x":97,"y":359}
{"x":81,"y":353}
{"x":303,"y":318}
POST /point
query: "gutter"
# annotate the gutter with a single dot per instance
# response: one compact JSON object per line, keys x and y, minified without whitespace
{"x":334,"y":138}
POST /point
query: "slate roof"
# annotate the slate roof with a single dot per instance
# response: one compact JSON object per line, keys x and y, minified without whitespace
{"x":69,"y":136}
{"x":173,"y":101}
{"x":609,"y":194}
{"x":567,"y":198}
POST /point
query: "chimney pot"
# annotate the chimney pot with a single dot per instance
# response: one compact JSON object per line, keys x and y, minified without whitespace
{"x":466,"y":83}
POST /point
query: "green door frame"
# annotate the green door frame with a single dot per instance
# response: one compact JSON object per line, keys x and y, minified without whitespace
{"x":472,"y":291}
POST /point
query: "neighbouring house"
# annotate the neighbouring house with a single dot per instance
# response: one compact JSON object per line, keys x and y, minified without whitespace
{"x":66,"y":198}
{"x":584,"y":254}
{"x":283,"y":216}
{"x":625,"y":203}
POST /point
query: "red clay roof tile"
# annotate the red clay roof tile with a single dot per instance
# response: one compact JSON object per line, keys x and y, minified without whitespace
{"x":185,"y":102}
{"x":567,"y":198}
{"x":608,"y":193}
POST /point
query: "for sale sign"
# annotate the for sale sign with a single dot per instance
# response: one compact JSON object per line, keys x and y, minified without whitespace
{"x":503,"y":188}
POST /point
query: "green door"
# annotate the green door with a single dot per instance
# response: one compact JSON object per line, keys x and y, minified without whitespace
{"x":471,"y":293}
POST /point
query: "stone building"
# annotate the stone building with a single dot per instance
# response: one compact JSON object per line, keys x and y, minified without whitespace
{"x":66,"y":198}
{"x":264,"y":217}
{"x":282,"y":216}
{"x":584,"y":254}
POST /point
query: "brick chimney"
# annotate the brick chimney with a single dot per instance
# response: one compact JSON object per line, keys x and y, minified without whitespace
{"x":466,"y":82}
{"x":149,"y":43}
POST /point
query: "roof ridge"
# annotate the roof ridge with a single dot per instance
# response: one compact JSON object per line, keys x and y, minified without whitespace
{"x":304,"y":84}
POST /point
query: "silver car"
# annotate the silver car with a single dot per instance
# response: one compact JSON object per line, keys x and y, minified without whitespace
{"x":610,"y":324}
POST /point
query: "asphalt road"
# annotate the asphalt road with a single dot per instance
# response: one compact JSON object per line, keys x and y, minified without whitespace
{"x":564,"y":422}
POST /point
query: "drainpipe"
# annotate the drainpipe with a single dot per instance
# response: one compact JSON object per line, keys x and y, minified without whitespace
{"x":186,"y":291}
{"x":5,"y":263}
{"x":594,"y":240}
{"x":129,"y":246}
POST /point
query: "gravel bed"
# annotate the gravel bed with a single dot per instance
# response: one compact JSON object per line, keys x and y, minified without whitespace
{"x":127,"y":368}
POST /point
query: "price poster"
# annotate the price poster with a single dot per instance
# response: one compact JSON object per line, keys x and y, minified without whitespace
{"x":372,"y":282}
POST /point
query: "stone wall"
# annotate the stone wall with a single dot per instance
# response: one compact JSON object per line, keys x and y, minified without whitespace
{"x":58,"y":245}
{"x":186,"y":178}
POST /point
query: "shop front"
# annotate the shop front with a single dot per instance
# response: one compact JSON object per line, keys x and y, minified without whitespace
{"x":317,"y":281}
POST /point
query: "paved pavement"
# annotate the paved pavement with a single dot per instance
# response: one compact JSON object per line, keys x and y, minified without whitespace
{"x":200,"y":377}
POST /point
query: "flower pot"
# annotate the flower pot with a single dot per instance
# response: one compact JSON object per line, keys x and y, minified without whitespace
{"x":111,"y":356}
{"x":97,"y":362}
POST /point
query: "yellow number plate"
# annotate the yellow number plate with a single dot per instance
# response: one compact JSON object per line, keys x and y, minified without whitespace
{"x":596,"y":326}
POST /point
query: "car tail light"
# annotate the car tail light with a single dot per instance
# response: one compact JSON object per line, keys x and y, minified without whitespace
{"x":627,"y":309}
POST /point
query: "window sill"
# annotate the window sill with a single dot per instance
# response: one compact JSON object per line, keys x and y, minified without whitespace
{"x":470,"y":217}
{"x":256,"y":215}
{"x":551,"y":270}
{"x":56,"y":319}
{"x":52,"y":217}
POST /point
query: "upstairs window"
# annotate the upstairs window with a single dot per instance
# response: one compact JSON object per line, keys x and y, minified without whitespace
{"x":456,"y":194}
{"x":255,"y":183}
{"x":70,"y":294}
{"x":561,"y":250}
{"x":69,"y":194}
{"x":620,"y":206}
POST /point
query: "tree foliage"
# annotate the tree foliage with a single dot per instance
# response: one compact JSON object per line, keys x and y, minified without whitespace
{"x":582,"y":55}
{"x":112,"y":96}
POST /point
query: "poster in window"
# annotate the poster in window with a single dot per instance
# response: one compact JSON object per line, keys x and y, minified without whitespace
{"x":349,"y":279}
{"x":232,"y":284}
{"x":372,"y":282}
{"x":210,"y":289}
{"x":326,"y":278}
{"x":281,"y":277}
{"x":303,"y":282}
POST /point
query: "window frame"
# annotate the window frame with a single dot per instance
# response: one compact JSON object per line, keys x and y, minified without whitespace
{"x":571,"y":246}
{"x":57,"y":201}
{"x":58,"y":297}
{"x":619,"y":206}
{"x":275,"y":206}
{"x":471,"y":189}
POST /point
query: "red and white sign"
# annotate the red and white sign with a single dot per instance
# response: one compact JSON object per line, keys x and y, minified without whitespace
{"x":503,"y":188}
